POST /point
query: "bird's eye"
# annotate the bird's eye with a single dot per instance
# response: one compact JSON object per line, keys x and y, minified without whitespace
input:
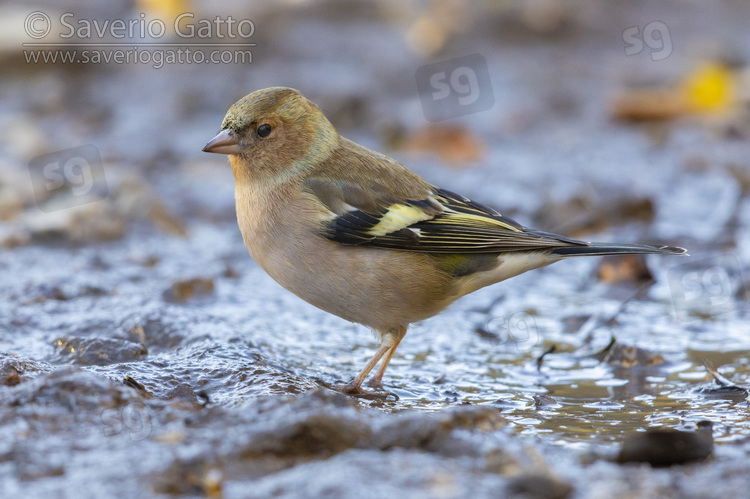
{"x":264,"y":130}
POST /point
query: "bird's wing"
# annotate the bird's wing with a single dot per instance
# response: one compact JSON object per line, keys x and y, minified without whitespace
{"x":440,"y":222}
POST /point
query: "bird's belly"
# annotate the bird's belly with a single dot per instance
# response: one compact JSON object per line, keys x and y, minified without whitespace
{"x":508,"y":265}
{"x":379,"y":288}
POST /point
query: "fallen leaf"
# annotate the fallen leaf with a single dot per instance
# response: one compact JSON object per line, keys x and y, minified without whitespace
{"x":455,"y":145}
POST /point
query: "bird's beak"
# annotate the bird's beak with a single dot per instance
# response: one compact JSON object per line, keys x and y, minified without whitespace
{"x":224,"y":143}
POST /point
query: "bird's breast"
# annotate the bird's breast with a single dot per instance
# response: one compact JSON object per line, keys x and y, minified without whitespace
{"x":376,"y":287}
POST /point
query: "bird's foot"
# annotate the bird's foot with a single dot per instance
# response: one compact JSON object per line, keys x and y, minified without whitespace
{"x":375,"y":384}
{"x":359,"y":392}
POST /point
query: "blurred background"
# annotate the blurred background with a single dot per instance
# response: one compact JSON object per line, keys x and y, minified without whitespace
{"x":126,"y":289}
{"x":496,"y":97}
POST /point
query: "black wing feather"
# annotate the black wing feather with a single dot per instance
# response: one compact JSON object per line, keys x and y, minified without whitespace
{"x":443,"y":223}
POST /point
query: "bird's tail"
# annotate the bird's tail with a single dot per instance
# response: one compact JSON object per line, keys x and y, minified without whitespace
{"x":601,"y":249}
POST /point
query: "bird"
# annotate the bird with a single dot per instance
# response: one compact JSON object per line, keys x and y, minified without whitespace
{"x":359,"y":235}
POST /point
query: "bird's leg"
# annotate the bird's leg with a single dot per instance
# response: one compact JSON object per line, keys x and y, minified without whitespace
{"x":389,"y":343}
{"x":354,"y":387}
{"x":397,"y":335}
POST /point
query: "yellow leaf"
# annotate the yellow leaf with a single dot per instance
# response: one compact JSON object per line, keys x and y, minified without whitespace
{"x":164,"y":10}
{"x":709,"y":88}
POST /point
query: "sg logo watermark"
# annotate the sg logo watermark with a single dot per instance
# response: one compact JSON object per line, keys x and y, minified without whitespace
{"x":517,"y":330}
{"x":655,"y":36}
{"x":77,"y":172}
{"x":707,"y":287}
{"x":135,"y":419}
{"x":455,"y":87}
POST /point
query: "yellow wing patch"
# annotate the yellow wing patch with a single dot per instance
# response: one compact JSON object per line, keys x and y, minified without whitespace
{"x":444,"y":223}
{"x":452,"y":217}
{"x":398,"y":216}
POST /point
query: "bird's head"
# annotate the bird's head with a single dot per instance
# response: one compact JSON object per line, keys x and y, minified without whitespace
{"x":273,"y":132}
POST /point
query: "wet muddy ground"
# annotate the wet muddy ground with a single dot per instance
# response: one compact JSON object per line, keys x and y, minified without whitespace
{"x":143,"y":353}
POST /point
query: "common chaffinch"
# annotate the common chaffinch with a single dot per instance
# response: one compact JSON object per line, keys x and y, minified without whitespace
{"x":357,"y":234}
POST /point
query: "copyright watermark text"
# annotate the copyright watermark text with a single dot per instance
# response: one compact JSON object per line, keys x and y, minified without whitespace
{"x":39,"y":25}
{"x":654,"y":36}
{"x":75,"y":175}
{"x":67,"y":39}
{"x":455,"y":87}
{"x":158,"y":58}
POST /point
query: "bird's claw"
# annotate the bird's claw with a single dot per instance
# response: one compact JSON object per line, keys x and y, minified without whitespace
{"x":375,"y":384}
{"x":359,"y":392}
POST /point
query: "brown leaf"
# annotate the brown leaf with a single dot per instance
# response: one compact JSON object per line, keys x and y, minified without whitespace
{"x":182,"y":291}
{"x":455,"y":145}
{"x":648,"y":105}
{"x":621,"y":268}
